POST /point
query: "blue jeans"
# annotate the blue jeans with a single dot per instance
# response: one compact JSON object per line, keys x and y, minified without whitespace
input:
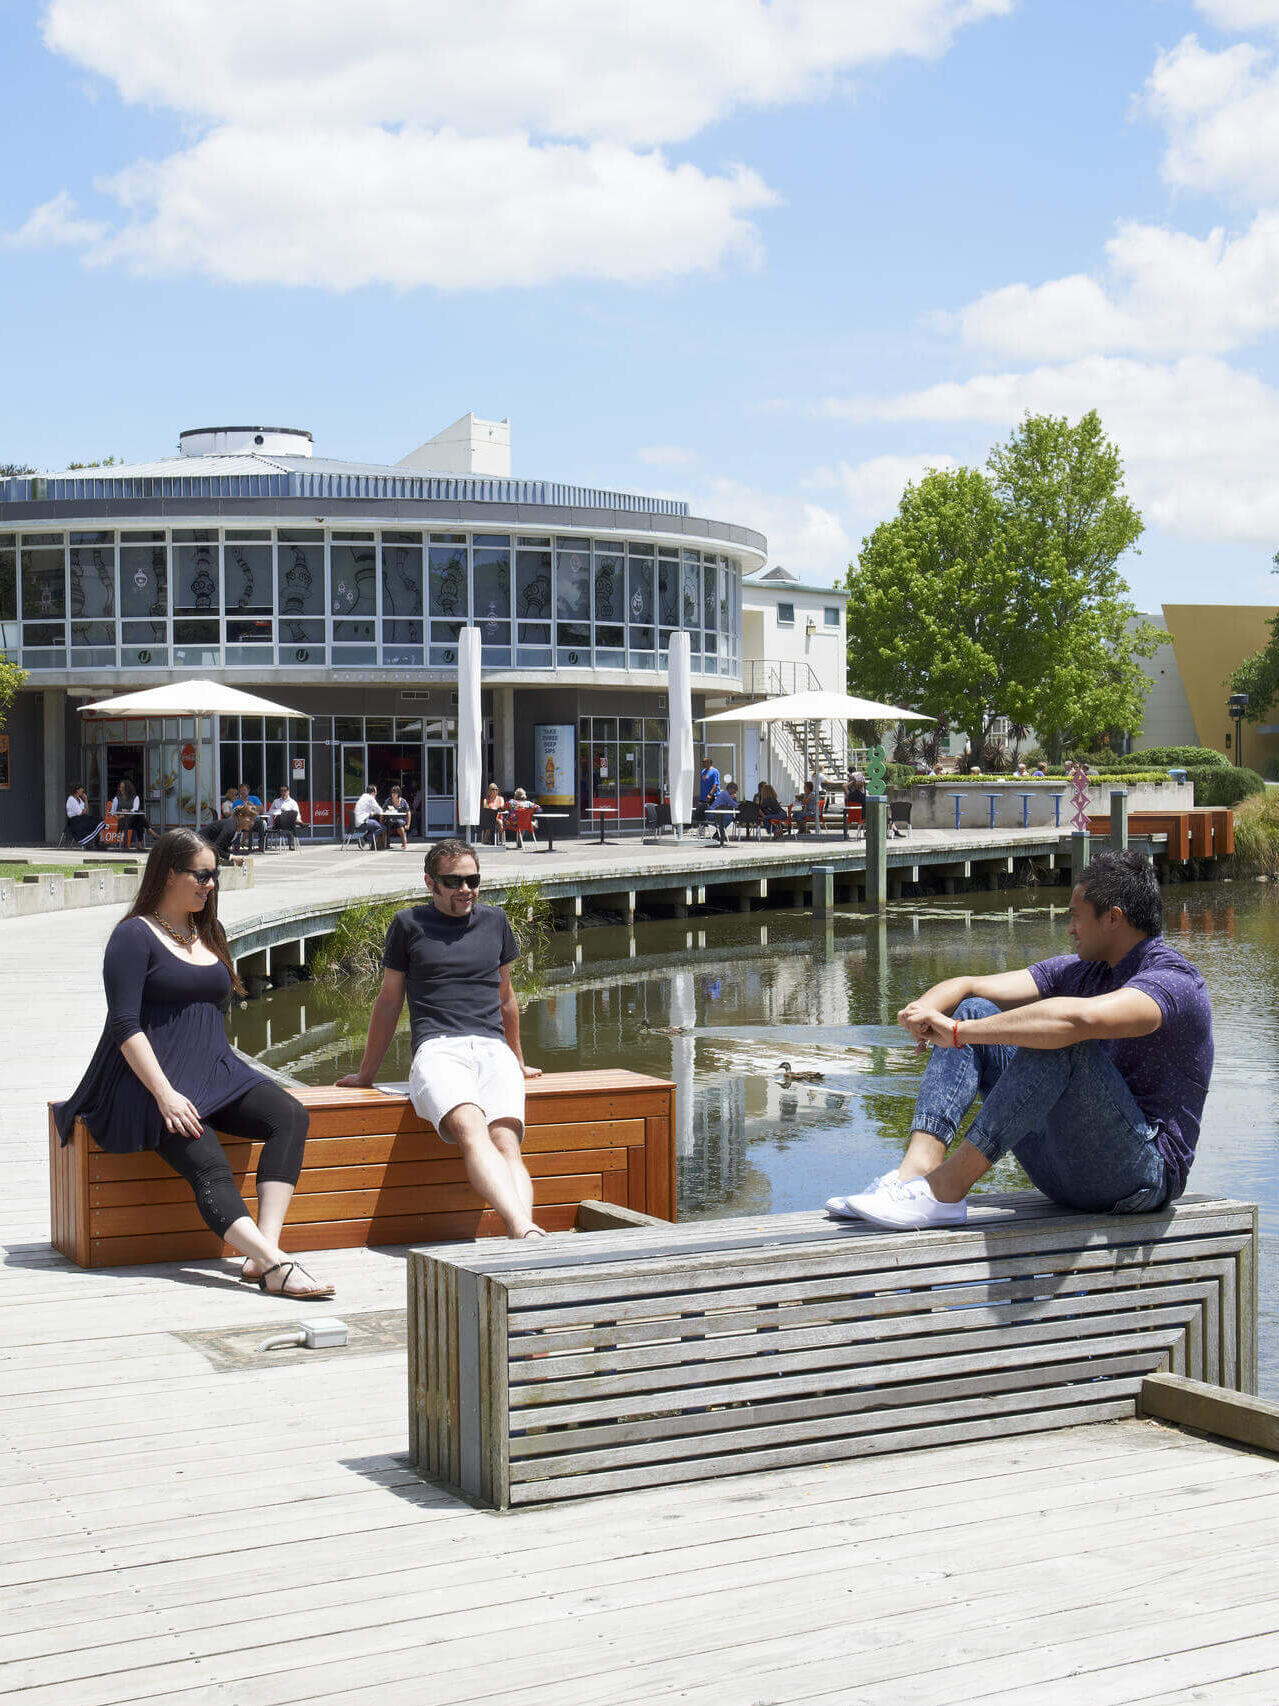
{"x":1066,"y":1114}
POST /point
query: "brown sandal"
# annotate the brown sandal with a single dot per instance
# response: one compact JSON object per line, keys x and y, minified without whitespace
{"x":316,"y":1293}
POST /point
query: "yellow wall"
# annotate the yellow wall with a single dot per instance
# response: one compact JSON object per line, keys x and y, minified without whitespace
{"x":1210,"y":640}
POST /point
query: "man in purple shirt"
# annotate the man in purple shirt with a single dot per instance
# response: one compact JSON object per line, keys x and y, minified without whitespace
{"x":1092,"y":1068}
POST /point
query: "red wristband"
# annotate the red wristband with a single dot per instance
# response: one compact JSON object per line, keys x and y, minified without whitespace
{"x":954,"y":1032}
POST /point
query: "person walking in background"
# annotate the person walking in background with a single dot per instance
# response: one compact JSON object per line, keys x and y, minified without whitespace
{"x":163,"y":1070}
{"x":452,"y":959}
{"x":707,"y":788}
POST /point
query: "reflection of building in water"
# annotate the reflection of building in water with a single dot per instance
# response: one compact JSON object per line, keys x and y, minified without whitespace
{"x":712,"y":1169}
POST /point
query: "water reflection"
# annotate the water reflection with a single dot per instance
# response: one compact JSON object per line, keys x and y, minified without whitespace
{"x":752,"y":991}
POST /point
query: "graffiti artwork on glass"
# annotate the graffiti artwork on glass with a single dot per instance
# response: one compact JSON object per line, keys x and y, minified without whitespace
{"x":93,"y":596}
{"x":534,"y":603}
{"x":354,"y":569}
{"x":448,"y":583}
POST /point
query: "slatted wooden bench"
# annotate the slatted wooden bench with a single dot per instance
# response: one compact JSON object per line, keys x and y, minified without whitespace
{"x":1203,"y":832}
{"x":643,"y":1357}
{"x":377,"y":1174}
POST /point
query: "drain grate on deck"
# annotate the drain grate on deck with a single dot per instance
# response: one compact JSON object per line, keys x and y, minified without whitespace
{"x":371,"y":1332}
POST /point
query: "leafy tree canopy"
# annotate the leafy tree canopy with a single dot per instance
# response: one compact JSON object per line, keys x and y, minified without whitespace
{"x":997,"y":593}
{"x":1258,"y":675}
{"x":11,"y":679}
{"x":14,"y":470}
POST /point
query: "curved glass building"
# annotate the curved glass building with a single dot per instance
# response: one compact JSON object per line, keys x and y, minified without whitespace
{"x":340,"y":589}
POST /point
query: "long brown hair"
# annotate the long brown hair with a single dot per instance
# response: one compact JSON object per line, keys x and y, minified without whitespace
{"x":175,"y":849}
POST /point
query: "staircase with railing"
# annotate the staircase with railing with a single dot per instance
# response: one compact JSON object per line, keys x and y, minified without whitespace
{"x":800,"y":747}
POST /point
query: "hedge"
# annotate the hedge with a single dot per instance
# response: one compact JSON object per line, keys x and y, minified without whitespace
{"x":1216,"y":785}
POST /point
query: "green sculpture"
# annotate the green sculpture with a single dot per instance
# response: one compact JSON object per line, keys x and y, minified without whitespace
{"x":876,"y":770}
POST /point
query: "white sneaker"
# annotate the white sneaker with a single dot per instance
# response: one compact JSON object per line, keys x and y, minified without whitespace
{"x":906,"y":1207}
{"x":838,"y":1207}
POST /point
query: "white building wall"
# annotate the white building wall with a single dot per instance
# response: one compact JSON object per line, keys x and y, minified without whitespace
{"x":1168,"y":720}
{"x":781,"y":657}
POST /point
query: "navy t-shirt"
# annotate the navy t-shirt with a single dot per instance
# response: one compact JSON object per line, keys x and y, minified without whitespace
{"x":1168,"y":1071}
{"x":452,"y":968}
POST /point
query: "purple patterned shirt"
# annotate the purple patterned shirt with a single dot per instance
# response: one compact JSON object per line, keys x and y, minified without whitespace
{"x":1168,"y":1071}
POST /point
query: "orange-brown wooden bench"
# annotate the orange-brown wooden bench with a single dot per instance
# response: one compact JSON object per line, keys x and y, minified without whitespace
{"x":375,"y":1173}
{"x":1201,"y":832}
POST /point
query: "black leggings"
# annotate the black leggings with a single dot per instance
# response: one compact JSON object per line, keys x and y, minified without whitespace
{"x":266,"y":1114}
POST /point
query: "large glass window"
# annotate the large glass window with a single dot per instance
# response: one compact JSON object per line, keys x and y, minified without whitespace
{"x":640,"y":565}
{"x":42,"y":573}
{"x":610,"y":592}
{"x":353,"y":579}
{"x":573,"y":602}
{"x":249,"y":568}
{"x":196,"y":598}
{"x":402,"y":598}
{"x":448,"y":599}
{"x":667,"y":597}
{"x":491,"y":560}
{"x":8,"y":596}
{"x":299,"y":571}
{"x":93,"y":599}
{"x":533,"y":606}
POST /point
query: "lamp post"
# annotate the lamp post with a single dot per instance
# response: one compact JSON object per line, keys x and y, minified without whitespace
{"x":1237,"y":705}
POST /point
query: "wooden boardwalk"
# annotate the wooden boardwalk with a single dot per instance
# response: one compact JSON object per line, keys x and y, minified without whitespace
{"x":180,"y":1532}
{"x":185,"y":1535}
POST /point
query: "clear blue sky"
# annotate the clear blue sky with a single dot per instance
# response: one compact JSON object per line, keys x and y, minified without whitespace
{"x":774,"y":256}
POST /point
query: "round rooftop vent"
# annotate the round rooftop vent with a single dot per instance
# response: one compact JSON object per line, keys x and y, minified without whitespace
{"x":241,"y":440}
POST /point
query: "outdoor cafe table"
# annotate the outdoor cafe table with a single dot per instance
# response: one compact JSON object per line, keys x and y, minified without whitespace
{"x":603,"y":812}
{"x":550,"y":819}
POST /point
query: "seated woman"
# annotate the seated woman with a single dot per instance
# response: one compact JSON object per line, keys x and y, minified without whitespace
{"x":491,"y":808}
{"x":395,"y":817}
{"x":82,"y":824}
{"x":772,"y":813}
{"x":163,"y":1070}
{"x":127,"y":810}
{"x":806,"y":808}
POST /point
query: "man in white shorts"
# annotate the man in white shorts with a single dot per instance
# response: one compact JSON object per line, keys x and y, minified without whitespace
{"x":452,"y":958}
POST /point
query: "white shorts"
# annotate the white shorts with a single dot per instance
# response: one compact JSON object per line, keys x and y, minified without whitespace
{"x":448,"y":1071}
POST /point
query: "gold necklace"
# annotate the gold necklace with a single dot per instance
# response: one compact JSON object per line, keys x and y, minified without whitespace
{"x":184,"y":941}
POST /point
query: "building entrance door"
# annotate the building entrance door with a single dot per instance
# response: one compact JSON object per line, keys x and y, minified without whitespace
{"x":439,"y":799}
{"x":354,"y":774}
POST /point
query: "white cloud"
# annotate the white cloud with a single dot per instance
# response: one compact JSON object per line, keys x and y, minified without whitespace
{"x":1221,"y":113}
{"x":667,"y":456}
{"x":1241,"y":15}
{"x":408,"y":208}
{"x":634,"y":71}
{"x":1167,"y":293}
{"x":809,"y":538}
{"x":1199,"y":438}
{"x":874,"y":487}
{"x":56,"y":223}
{"x":499,"y":142}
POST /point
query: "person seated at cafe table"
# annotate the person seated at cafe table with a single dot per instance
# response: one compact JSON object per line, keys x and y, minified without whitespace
{"x":772,"y":813}
{"x":723,"y":811}
{"x":366,"y":816}
{"x":806,"y":807}
{"x":493,"y":805}
{"x":395,"y":817}
{"x":284,"y":815}
{"x":1092,"y":1068}
{"x":82,"y":824}
{"x":126,"y":808}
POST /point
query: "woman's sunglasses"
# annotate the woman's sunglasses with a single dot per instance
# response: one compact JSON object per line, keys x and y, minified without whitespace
{"x":202,"y":877}
{"x":455,"y":882}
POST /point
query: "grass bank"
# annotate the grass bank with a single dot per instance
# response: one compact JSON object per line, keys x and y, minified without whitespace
{"x":1257,"y":836}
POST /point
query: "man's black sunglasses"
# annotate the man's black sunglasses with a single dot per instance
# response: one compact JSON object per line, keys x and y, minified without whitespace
{"x":455,"y":882}
{"x":202,"y":877}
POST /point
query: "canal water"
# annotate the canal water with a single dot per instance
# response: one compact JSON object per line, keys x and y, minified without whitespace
{"x":749,"y":992}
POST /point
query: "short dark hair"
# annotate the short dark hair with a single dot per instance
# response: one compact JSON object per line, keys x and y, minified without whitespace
{"x":444,"y":852}
{"x":1126,"y":880}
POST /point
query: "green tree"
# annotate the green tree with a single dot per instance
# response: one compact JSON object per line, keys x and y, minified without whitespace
{"x":1060,"y":490}
{"x":1258,"y":675}
{"x":11,"y":679}
{"x":14,"y":470}
{"x":936,"y":618}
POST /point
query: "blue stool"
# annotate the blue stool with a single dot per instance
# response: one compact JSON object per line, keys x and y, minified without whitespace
{"x":1057,"y":799}
{"x":1025,"y":809}
{"x":959,"y":803}
{"x":994,"y":801}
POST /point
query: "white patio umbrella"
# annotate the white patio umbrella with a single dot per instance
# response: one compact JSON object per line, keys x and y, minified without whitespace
{"x":817,"y":708}
{"x":680,"y":730}
{"x":198,"y":699}
{"x":470,"y":756}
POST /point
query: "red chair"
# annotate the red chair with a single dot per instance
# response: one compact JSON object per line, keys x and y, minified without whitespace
{"x":522,"y":819}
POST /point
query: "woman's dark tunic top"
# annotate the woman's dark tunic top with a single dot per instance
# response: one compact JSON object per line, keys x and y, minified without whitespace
{"x":178,"y":1008}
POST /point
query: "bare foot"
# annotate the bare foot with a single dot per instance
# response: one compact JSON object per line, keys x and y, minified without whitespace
{"x":534,"y":1232}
